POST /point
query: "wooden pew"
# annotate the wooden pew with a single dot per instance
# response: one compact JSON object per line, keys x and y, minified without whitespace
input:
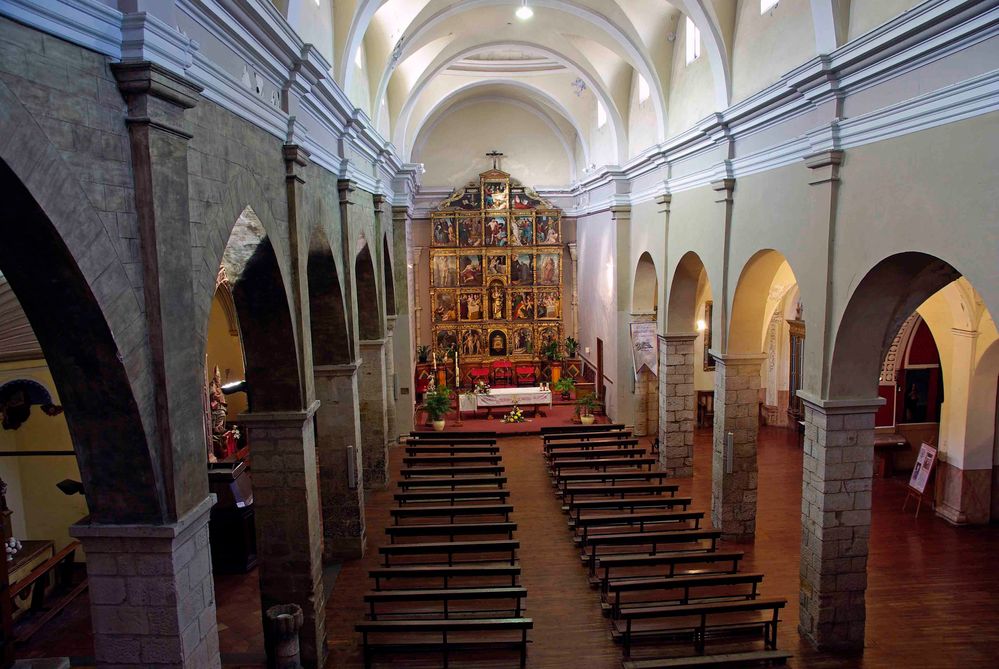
{"x":427,"y":434}
{"x":571,"y":492}
{"x":450,"y":548}
{"x":448,"y":460}
{"x":684,"y":585}
{"x":450,"y":496}
{"x":603,"y":463}
{"x":445,"y":596}
{"x":451,"y":512}
{"x":451,"y":449}
{"x":452,"y":471}
{"x":703,"y":612}
{"x":621,"y":503}
{"x":444,"y":628}
{"x":642,"y":519}
{"x":452,"y":441}
{"x":601,"y":452}
{"x":551,"y":439}
{"x":740,"y":660}
{"x":450,"y":530}
{"x":552,"y":447}
{"x":596,"y":427}
{"x":654,"y":539}
{"x":447,"y":574}
{"x":669,"y":561}
{"x":452,"y":482}
{"x":609,"y":477}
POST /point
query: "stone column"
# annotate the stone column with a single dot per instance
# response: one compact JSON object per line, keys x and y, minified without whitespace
{"x":836,"y":520}
{"x":338,"y":427}
{"x":289,"y":534}
{"x":574,"y":310}
{"x":417,"y":307}
{"x":374,"y":415}
{"x":152,"y":600}
{"x":676,"y":404}
{"x":391,"y":435}
{"x":733,"y":493}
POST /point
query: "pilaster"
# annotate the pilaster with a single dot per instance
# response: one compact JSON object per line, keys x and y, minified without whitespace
{"x":734,"y":472}
{"x":296,"y":160}
{"x":676,"y":404}
{"x":289,"y":529}
{"x":374,"y":414}
{"x":152,"y":598}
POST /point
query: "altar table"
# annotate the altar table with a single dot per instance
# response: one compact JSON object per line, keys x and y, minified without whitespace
{"x":505,"y":397}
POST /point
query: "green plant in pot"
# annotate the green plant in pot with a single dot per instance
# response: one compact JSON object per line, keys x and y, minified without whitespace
{"x":422,"y":353}
{"x":437,"y":403}
{"x":551,"y":351}
{"x":571,"y":347}
{"x":565,"y":386}
{"x":587,"y":403}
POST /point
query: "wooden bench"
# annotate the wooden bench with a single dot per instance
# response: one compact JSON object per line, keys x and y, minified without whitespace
{"x":611,"y":477}
{"x":452,"y":482}
{"x":447,"y":574}
{"x":571,"y":492}
{"x":457,"y":470}
{"x":451,"y":511}
{"x":451,"y":496}
{"x":448,"y":460}
{"x":654,"y":539}
{"x":444,"y":596}
{"x":452,"y":441}
{"x":584,"y":436}
{"x":642,"y":518}
{"x":748,"y":658}
{"x":596,"y":427}
{"x":450,"y":548}
{"x":450,"y":530}
{"x":614,"y":606}
{"x":444,"y":628}
{"x":599,"y":452}
{"x":671,"y":561}
{"x":427,"y":434}
{"x":450,"y":449}
{"x":579,"y":505}
{"x":551,"y":447}
{"x":603,"y":463}
{"x":623,"y":628}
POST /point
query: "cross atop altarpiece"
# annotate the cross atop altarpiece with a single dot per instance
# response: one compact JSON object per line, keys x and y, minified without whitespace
{"x":495,"y":155}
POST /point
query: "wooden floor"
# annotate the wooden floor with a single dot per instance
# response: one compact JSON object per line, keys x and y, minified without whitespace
{"x":933,"y":596}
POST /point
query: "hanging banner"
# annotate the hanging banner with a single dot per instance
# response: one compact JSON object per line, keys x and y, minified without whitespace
{"x":645,"y":347}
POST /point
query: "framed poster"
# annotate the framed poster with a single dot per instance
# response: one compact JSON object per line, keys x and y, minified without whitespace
{"x":923,"y":468}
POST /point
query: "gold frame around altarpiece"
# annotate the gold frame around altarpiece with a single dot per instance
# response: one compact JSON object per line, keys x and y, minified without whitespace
{"x":540,"y":327}
{"x":490,"y":330}
{"x":538,"y":291}
{"x":494,"y":177}
{"x":543,"y":252}
{"x":462,"y":293}
{"x":492,"y":252}
{"x":437,"y":347}
{"x":477,"y":219}
{"x":483,"y":337}
{"x":515,"y":214}
{"x":478,"y":252}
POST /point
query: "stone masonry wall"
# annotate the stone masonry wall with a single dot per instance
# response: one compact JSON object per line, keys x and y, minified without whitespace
{"x":676,"y":405}
{"x":374,"y":416}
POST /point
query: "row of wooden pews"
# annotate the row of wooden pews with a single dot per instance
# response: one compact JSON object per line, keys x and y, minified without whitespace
{"x":663,"y":578}
{"x":450,"y":578}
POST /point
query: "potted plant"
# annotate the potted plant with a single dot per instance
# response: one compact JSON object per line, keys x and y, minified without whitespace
{"x":564,"y":385}
{"x":437,"y":403}
{"x":422,"y":353}
{"x":571,"y":347}
{"x":587,"y":403}
{"x":550,"y":351}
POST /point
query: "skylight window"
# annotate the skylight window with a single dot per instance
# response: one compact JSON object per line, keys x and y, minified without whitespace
{"x":693,"y":42}
{"x":357,"y":58}
{"x":601,"y":115}
{"x":767,"y":5}
{"x":643,"y":89}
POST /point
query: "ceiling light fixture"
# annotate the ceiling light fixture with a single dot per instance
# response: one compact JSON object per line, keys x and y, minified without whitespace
{"x":524,"y":12}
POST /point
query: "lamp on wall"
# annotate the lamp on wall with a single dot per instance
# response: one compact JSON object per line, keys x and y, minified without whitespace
{"x":235,"y":387}
{"x":524,"y":12}
{"x":701,"y":325}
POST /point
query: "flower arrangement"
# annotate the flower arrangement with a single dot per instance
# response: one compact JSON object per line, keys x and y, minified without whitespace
{"x":481,"y":388}
{"x":516,"y":415}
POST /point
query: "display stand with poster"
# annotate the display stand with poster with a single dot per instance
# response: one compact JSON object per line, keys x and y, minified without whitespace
{"x":921,"y":473}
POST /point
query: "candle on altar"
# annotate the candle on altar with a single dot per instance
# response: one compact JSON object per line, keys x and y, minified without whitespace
{"x":457,"y":375}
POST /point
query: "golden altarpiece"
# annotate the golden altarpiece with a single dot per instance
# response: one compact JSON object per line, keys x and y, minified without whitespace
{"x":496,"y":254}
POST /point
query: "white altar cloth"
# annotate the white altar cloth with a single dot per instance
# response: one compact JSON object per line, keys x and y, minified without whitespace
{"x":505,"y":397}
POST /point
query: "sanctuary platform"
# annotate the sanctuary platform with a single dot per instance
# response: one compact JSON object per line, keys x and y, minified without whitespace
{"x":560,"y":413}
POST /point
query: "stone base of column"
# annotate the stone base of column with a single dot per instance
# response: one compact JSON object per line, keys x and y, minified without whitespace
{"x":733,"y":503}
{"x":965,"y":494}
{"x":338,"y":439}
{"x":289,"y":530}
{"x":676,"y":404}
{"x":836,"y":520}
{"x":152,"y":598}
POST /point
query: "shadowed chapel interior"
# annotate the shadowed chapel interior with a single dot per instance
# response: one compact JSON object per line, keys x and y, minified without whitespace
{"x":492,"y":333}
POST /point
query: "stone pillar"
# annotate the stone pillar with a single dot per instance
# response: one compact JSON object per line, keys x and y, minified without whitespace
{"x":338,"y":428}
{"x":417,"y":259}
{"x":391,"y":435}
{"x":677,"y":404}
{"x":574,"y":310}
{"x":836,"y":520}
{"x":152,"y":600}
{"x":374,"y":415}
{"x":289,"y":535}
{"x":733,"y":493}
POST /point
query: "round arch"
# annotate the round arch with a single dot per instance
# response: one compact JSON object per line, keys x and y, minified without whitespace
{"x":681,"y":307}
{"x":331,"y":341}
{"x":749,"y":313}
{"x":645,"y":288}
{"x":369,"y":322}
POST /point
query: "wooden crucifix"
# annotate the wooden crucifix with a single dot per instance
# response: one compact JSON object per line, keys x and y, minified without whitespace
{"x":495,"y":155}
